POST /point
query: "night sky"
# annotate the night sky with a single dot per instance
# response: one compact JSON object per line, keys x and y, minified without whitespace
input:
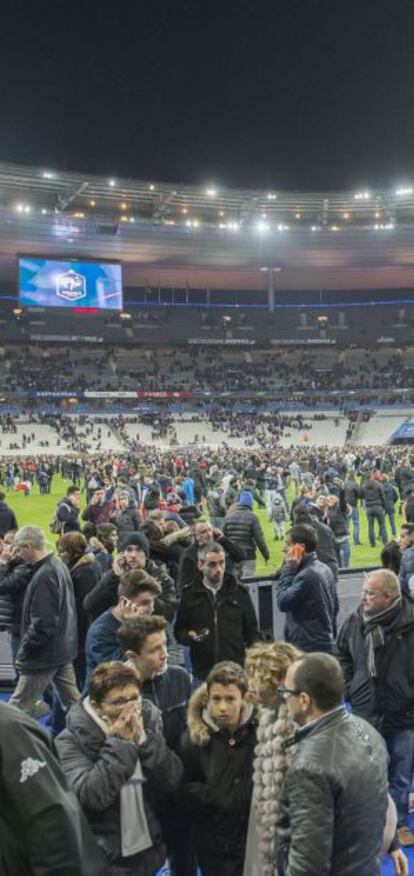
{"x":307,"y":94}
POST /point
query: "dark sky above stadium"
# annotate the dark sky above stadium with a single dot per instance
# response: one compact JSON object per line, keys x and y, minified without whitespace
{"x":307,"y":94}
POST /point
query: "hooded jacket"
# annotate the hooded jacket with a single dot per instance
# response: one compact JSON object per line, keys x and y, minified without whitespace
{"x":218,"y":783}
{"x":243,"y":527}
{"x":334,"y":800}
{"x":230,"y":619}
{"x":43,"y":831}
{"x":387,"y":701}
{"x":96,"y":767}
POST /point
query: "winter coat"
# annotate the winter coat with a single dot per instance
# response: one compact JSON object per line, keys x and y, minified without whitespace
{"x":188,"y":563}
{"x":43,"y":831}
{"x":326,"y":548}
{"x":407,"y":572}
{"x":390,"y":496}
{"x":170,"y":692}
{"x":102,"y":643}
{"x":85,"y":574}
{"x":128,"y":520}
{"x":105,"y":594}
{"x":353,"y":492}
{"x":96,"y":767}
{"x":373,"y":495}
{"x":218,"y":784}
{"x":334,"y":800}
{"x":7,"y":519}
{"x":68,"y":515}
{"x":230,"y":619}
{"x":14,"y":579}
{"x":49,"y":624}
{"x":243,"y":527}
{"x":309,"y":598}
{"x":388,"y":700}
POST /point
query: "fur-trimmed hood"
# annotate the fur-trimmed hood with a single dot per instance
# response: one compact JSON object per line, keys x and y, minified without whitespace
{"x":200,"y":725}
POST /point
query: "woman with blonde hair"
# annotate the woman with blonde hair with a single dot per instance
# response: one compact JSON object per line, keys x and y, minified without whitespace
{"x":266,"y":666}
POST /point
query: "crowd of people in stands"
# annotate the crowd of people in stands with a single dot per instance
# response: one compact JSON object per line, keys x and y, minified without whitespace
{"x":179,"y":732}
{"x":200,"y":369}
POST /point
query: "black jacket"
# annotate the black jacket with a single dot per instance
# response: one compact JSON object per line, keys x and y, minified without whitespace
{"x":308,"y":596}
{"x":230,"y":619}
{"x":373,"y":495}
{"x":128,"y":520}
{"x":352,"y":492}
{"x":170,"y":692}
{"x":217,"y":789}
{"x":43,"y":831}
{"x":188,"y":564}
{"x":85,"y":574}
{"x":242,"y":526}
{"x":334,"y":800}
{"x":326,"y":548}
{"x":14,"y":578}
{"x":68,"y":515}
{"x":105,"y":594}
{"x":97,"y":766}
{"x":388,"y":700}
{"x":49,"y":636}
{"x":7,"y":519}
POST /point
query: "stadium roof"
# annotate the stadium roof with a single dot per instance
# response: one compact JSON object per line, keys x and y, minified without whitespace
{"x":204,"y":236}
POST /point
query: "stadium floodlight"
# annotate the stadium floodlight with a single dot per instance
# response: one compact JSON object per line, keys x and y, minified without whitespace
{"x":262,"y":227}
{"x":111,"y":183}
{"x":151,"y":187}
{"x":335,"y":228}
{"x":405,"y":190}
{"x":362,"y":196}
{"x":211,"y":193}
{"x":44,"y":211}
{"x":271,"y":196}
{"x":47,"y":174}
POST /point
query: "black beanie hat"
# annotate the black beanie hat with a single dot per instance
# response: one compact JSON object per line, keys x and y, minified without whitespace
{"x":137,"y":538}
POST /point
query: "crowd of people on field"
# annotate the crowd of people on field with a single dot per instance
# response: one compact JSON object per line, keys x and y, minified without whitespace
{"x":180,"y":734}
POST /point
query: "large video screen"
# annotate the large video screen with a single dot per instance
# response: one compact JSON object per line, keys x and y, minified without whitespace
{"x":53,"y":283}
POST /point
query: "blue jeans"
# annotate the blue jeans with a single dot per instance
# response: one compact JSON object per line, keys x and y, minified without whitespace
{"x":400,"y":770}
{"x":344,"y":551}
{"x":355,"y":523}
{"x":391,"y":518}
{"x":378,"y":514}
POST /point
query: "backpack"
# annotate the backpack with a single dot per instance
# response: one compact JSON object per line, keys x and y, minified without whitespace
{"x":56,"y":525}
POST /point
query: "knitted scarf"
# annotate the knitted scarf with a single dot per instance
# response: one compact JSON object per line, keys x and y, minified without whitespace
{"x":375,"y":629}
{"x":269,"y":771}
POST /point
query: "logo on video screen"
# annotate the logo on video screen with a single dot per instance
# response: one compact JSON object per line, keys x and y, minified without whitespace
{"x":71,"y":286}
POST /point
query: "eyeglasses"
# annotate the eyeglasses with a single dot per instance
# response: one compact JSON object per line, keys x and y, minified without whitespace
{"x":287,"y":691}
{"x":123,"y":701}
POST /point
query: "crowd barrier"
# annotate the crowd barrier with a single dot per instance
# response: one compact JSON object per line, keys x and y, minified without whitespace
{"x":263,"y":594}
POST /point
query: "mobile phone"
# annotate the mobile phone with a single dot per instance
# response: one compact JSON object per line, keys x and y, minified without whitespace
{"x":296,"y":552}
{"x":202,"y":635}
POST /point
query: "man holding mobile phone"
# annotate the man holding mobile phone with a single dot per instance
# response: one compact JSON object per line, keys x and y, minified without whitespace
{"x":306,"y":592}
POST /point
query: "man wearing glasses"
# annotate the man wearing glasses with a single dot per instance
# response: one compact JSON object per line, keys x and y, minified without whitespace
{"x":334,"y":801}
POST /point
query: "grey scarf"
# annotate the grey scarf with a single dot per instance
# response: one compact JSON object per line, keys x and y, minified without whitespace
{"x":375,"y":629}
{"x":135,"y":836}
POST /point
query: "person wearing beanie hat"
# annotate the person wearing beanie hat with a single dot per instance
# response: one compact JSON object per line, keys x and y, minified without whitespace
{"x":133,"y":554}
{"x":243,"y":527}
{"x":245,"y":498}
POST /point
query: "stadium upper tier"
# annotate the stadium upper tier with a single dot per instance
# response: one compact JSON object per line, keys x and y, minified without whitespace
{"x":207,"y":237}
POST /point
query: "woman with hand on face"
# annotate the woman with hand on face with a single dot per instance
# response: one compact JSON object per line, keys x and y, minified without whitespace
{"x":266,"y":665}
{"x":116,"y":761}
